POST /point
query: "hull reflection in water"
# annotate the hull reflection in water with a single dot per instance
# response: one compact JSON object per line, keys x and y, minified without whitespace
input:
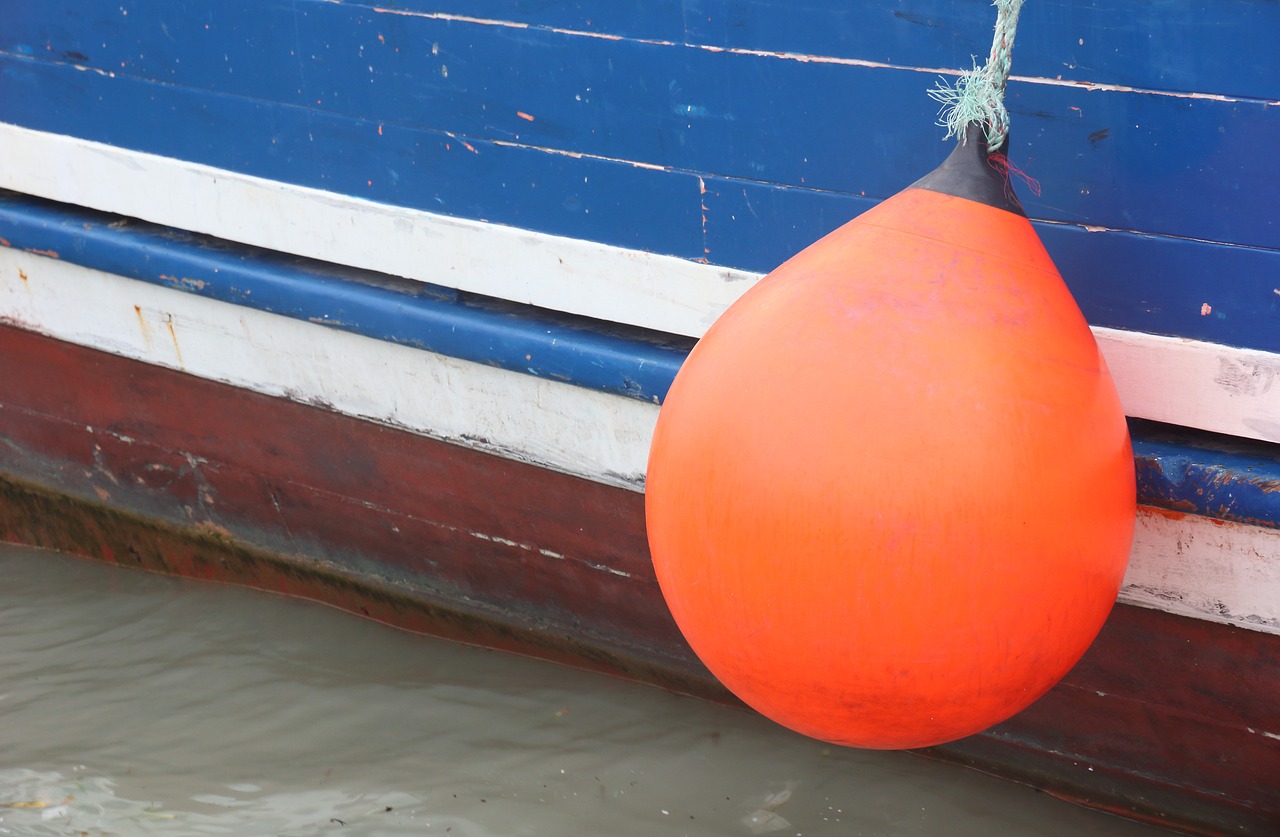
{"x":137,"y":704}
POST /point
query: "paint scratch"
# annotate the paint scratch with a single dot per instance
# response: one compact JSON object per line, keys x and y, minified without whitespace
{"x":577,"y":155}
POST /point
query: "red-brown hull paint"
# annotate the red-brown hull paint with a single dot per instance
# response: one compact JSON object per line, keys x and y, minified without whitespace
{"x":119,"y":460}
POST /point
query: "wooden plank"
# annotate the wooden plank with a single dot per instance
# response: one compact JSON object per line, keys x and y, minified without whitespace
{"x":1221,"y":477}
{"x":1205,"y":568}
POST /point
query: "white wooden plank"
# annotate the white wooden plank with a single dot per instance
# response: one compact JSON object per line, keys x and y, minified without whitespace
{"x":1186,"y":382}
{"x":1208,"y":569}
{"x":1195,"y":384}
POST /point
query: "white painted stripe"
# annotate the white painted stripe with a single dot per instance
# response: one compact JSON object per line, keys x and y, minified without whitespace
{"x":1204,"y":568}
{"x":564,"y":274}
{"x":1189,"y":565}
{"x":566,"y":428}
{"x":1186,"y":382}
{"x":1195,"y":384}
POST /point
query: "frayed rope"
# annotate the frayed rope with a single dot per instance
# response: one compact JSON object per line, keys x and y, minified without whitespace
{"x":977,"y":97}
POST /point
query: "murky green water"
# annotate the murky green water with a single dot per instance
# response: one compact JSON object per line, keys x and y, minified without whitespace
{"x":137,"y":704}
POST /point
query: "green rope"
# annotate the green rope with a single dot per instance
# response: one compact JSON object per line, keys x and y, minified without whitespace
{"x":978,"y":95}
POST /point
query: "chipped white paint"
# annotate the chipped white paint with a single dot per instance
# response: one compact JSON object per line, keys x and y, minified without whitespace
{"x":566,"y":428}
{"x":1187,"y":382}
{"x":1209,"y":569}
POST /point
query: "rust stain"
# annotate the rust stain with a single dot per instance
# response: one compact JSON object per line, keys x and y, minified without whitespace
{"x":168,"y":323}
{"x":1180,"y":506}
{"x":22,"y":274}
{"x":142,"y":326}
{"x":4,"y":242}
{"x":53,"y":254}
{"x":1168,"y":514}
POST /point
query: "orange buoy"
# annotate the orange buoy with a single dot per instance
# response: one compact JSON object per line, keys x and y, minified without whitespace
{"x":890,"y":494}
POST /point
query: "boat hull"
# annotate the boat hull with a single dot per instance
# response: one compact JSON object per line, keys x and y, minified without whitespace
{"x":119,"y":460}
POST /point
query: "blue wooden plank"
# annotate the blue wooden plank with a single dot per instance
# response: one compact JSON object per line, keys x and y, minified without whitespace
{"x":598,"y":200}
{"x":1205,"y":46}
{"x":1195,"y":168}
{"x":1215,"y":292}
{"x":1220,"y":293}
{"x":518,"y":338}
{"x":1202,"y":473}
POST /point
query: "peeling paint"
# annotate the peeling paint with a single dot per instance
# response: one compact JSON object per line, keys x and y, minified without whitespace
{"x":185,"y":282}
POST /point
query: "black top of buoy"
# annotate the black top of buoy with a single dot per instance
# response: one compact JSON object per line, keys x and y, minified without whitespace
{"x":970,"y":173}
